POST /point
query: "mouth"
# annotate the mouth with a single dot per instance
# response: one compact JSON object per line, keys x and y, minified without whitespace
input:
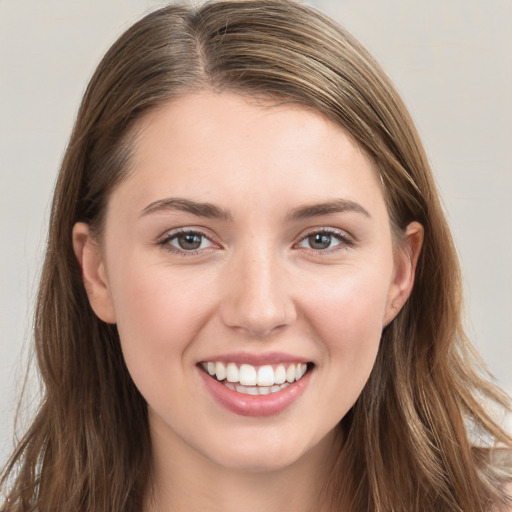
{"x":253,"y":380}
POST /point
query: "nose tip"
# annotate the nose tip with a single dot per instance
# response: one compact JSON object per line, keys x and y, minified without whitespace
{"x":260,"y":319}
{"x":257,"y":299}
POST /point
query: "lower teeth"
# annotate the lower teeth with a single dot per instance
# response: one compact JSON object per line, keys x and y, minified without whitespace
{"x":255,"y":390}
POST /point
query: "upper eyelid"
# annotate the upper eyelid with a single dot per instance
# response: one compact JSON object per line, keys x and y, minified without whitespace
{"x":327,"y":229}
{"x":170,"y":233}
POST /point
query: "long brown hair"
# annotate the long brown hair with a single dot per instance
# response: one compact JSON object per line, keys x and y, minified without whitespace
{"x":411,"y":441}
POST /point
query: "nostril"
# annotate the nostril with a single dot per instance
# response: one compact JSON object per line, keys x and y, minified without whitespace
{"x":258,"y":322}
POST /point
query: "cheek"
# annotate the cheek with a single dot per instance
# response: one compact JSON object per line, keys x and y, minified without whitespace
{"x":347,"y":318}
{"x":348,"y":326}
{"x":350,"y":304}
{"x":158,"y":315}
{"x":158,"y":318}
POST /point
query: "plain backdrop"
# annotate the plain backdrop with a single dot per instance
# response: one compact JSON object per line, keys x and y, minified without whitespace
{"x":450,"y":59}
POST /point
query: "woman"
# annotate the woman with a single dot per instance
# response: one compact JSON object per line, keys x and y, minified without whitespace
{"x":250,"y":296}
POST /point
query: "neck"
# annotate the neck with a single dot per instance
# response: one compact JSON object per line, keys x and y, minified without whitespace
{"x":186,"y":480}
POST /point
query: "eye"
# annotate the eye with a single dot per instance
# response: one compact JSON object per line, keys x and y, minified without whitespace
{"x":324,"y":240}
{"x":186,"y":241}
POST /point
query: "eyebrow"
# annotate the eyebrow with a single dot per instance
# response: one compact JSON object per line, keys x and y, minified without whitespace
{"x":207,"y":210}
{"x":212,"y":211}
{"x":326,"y":208}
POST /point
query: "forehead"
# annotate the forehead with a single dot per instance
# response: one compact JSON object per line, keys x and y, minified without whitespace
{"x":225,"y":146}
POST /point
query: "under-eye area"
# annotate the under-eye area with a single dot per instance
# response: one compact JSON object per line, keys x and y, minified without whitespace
{"x":256,"y":380}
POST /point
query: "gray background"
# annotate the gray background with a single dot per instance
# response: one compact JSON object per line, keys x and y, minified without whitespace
{"x":451,"y":60}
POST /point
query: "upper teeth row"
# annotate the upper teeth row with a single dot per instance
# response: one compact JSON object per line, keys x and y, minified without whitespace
{"x":249,"y":375}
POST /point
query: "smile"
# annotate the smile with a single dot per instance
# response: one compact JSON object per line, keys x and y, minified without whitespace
{"x":256,"y":384}
{"x":255,"y":380}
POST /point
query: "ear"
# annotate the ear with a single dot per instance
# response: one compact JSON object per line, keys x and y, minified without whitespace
{"x":88,"y":253}
{"x":406,"y":259}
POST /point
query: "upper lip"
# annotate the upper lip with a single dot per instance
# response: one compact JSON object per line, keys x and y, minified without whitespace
{"x":256,"y":359}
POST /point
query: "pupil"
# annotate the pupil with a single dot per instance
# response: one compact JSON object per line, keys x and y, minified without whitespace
{"x":190,"y":241}
{"x":320,"y":241}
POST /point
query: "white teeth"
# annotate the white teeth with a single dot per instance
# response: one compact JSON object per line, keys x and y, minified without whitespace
{"x":256,"y":390}
{"x":210,"y":367}
{"x":247,"y":375}
{"x":265,"y":376}
{"x":232,"y":373}
{"x":220,"y":371}
{"x":280,"y":374}
{"x":300,"y":370}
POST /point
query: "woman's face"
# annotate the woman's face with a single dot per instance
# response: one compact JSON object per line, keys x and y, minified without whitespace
{"x":252,"y":242}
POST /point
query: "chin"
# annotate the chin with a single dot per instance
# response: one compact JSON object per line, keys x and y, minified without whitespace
{"x":265,"y":452}
{"x":256,"y":461}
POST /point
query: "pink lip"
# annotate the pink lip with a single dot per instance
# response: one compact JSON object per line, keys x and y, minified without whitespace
{"x":257,"y":359}
{"x":254,"y":405}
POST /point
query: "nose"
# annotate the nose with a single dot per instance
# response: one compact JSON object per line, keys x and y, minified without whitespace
{"x":257,"y":297}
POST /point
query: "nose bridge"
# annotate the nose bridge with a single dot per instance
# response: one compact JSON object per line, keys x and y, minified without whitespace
{"x":257,"y":297}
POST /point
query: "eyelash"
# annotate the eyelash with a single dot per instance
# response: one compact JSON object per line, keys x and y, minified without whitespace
{"x":165,"y":241}
{"x":344,"y":241}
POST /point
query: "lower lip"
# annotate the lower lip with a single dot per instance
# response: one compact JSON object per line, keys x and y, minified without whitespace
{"x":255,"y":405}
